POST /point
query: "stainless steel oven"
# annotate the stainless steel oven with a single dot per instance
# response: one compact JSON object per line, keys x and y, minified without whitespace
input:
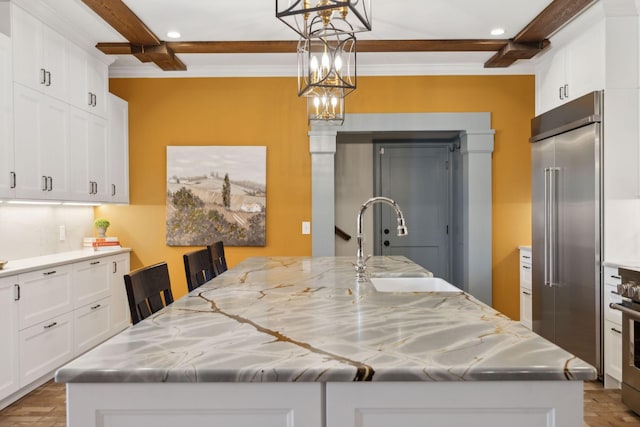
{"x":629,"y":289}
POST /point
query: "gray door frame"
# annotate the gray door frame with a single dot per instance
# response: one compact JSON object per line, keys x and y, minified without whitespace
{"x":477,"y":141}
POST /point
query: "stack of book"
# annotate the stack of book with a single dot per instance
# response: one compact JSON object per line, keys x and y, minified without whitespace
{"x":101,"y":243}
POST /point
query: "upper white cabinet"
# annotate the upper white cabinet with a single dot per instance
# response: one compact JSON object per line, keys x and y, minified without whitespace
{"x":571,"y":71}
{"x":39,"y":54}
{"x":7,"y":176}
{"x":88,"y":82}
{"x":40,"y":144}
{"x":118,"y":149}
{"x":88,"y":153}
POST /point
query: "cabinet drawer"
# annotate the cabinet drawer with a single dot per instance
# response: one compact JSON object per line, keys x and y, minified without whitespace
{"x":613,"y":350}
{"x":610,"y":295}
{"x":525,"y":275}
{"x":45,"y":294}
{"x":525,"y":256}
{"x":611,"y":276}
{"x":45,"y":347}
{"x":91,"y":281}
{"x":92,"y":325}
{"x":525,"y":307}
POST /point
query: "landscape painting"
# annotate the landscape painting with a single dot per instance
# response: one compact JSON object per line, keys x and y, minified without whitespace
{"x":216,"y":193}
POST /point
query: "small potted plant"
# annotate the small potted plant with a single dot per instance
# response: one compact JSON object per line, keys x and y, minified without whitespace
{"x":101,"y":225}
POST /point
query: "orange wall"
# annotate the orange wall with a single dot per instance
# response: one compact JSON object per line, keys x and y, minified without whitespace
{"x":267,"y":111}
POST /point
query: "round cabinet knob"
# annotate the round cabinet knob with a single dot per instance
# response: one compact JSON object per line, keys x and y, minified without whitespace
{"x":386,"y":243}
{"x":386,"y":231}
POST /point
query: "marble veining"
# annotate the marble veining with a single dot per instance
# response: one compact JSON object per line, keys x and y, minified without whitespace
{"x":301,"y":319}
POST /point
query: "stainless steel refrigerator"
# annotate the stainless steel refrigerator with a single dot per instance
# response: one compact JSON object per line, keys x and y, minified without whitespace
{"x":566,"y":166}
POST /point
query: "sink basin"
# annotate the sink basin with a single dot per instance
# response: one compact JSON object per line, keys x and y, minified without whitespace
{"x":412,"y":284}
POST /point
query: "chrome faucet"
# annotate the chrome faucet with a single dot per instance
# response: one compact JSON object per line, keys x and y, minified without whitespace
{"x":361,"y":267}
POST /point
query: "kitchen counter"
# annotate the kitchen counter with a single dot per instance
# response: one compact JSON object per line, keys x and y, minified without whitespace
{"x":306,"y":320}
{"x":25,"y":265}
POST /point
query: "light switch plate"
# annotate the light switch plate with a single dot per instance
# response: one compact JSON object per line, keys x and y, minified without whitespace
{"x":306,"y":227}
{"x":63,"y":233}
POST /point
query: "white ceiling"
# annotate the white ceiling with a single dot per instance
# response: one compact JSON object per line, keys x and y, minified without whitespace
{"x":236,"y":20}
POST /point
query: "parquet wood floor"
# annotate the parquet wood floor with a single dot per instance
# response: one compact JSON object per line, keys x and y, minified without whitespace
{"x":45,"y":407}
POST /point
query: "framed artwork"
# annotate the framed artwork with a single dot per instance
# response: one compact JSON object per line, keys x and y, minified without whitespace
{"x":216,"y":193}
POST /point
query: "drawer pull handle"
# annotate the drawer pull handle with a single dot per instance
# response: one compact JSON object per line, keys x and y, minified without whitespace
{"x":17,"y":297}
{"x":48,"y":273}
{"x":526,"y":267}
{"x":95,"y":262}
{"x":526,"y":293}
{"x":115,"y":267}
{"x":617,"y":331}
{"x":616,"y":277}
{"x":95,"y":306}
{"x":51,"y":325}
{"x":526,"y":257}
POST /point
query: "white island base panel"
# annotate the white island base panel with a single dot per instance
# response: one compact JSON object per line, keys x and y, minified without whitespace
{"x":360,"y":404}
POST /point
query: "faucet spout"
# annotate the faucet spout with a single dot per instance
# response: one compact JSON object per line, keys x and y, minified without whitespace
{"x":361,"y":267}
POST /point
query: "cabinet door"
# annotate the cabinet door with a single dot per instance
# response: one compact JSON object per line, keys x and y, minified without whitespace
{"x":118,"y":149}
{"x":613,"y":350}
{"x":91,"y":325}
{"x":88,"y":80}
{"x":97,"y":82}
{"x":90,"y":281}
{"x":7,"y":175}
{"x":45,"y":294}
{"x":40,"y":128}
{"x":54,"y":60}
{"x":26,"y":33}
{"x":585,"y":62}
{"x":88,"y":153}
{"x":45,"y":346}
{"x":120,"y":317}
{"x":9,"y":294}
{"x":550,"y":81}
{"x":525,"y":307}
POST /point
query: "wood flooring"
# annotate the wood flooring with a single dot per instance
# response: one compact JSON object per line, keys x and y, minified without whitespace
{"x":45,"y":407}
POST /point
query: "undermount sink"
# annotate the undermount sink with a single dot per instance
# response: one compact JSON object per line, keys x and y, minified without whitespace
{"x":412,"y":284}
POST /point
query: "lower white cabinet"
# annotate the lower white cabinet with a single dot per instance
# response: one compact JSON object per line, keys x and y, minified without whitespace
{"x":9,"y":379}
{"x":526,"y":311}
{"x":45,"y":346}
{"x":45,"y":294}
{"x":612,"y":330}
{"x":49,"y":316}
{"x":120,"y":317}
{"x":92,"y":324}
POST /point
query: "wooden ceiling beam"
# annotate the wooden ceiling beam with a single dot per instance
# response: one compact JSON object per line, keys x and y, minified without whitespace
{"x":552,"y":18}
{"x":513,"y":51}
{"x":123,"y":20}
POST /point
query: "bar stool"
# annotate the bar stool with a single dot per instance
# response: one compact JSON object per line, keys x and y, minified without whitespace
{"x":144,"y":289}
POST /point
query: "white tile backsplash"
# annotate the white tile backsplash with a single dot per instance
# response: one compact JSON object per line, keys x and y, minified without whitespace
{"x":622,"y":229}
{"x":28,"y":230}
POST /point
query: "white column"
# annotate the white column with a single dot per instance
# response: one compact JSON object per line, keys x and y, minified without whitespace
{"x":322,"y":145}
{"x":476,"y":148}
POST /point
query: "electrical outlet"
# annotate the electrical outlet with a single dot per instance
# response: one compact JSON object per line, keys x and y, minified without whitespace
{"x":63,"y":233}
{"x":306,"y":227}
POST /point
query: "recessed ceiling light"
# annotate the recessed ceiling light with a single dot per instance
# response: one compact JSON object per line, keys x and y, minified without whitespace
{"x":173,"y":34}
{"x":497,"y":31}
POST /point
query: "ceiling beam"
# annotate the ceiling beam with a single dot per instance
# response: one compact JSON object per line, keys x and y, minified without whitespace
{"x":123,"y":20}
{"x":286,"y":46}
{"x":161,"y":55}
{"x":513,"y":51}
{"x":552,"y":18}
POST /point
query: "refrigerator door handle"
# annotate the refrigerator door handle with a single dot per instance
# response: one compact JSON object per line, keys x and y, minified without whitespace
{"x":553,"y":226}
{"x":546,"y":226}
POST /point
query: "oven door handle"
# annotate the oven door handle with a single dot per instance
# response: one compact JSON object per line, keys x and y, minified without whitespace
{"x":631,"y":313}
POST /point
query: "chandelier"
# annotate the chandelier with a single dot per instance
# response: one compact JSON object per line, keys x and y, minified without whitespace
{"x":326,"y":51}
{"x":325,"y":16}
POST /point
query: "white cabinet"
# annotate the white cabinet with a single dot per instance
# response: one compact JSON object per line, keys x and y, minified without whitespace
{"x":45,"y":294}
{"x":612,"y":330}
{"x":92,"y":325}
{"x":91,"y":281}
{"x":118,"y":117}
{"x":9,"y":375}
{"x":120,"y":317}
{"x":40,"y":143}
{"x":525,"y":287}
{"x":51,"y":315}
{"x":7,"y":176}
{"x":571,"y":71}
{"x":87,"y":81}
{"x":45,"y":347}
{"x":39,"y":55}
{"x":88,"y":152}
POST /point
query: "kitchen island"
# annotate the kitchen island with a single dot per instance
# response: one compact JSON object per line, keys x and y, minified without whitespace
{"x":296,"y":341}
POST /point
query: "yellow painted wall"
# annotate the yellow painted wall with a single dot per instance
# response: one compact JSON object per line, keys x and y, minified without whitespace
{"x":267,"y":111}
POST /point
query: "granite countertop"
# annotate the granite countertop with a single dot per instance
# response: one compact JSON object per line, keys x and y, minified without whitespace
{"x":629,"y":264}
{"x":25,"y":265}
{"x":303,"y":319}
